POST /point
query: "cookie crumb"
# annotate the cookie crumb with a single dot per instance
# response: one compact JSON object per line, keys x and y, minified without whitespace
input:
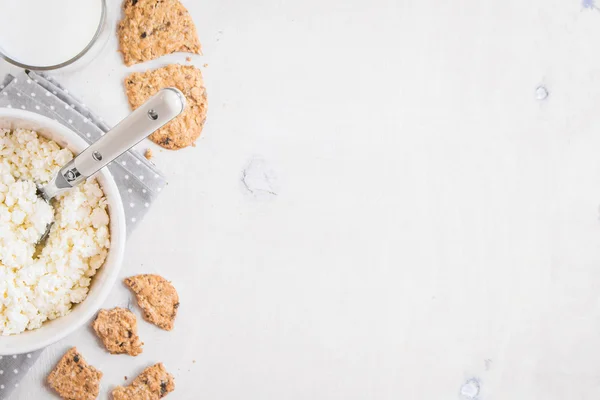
{"x":186,"y":128}
{"x":153,"y":383}
{"x":151,"y":29}
{"x":74,"y":378}
{"x":205,"y":65}
{"x":117,"y":328}
{"x":188,"y":59}
{"x":194,"y":361}
{"x":125,"y":378}
{"x":148,"y":154}
{"x":157,"y":297}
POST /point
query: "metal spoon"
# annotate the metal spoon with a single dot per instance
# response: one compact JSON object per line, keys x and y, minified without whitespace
{"x":153,"y":114}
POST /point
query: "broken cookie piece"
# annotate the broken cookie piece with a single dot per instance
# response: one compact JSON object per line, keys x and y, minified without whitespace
{"x":186,"y":128}
{"x":74,"y":379}
{"x":157,"y":297}
{"x":153,"y":383}
{"x":117,"y":328}
{"x":151,"y":29}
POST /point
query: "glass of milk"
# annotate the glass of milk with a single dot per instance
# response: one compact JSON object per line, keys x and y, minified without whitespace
{"x":51,"y":34}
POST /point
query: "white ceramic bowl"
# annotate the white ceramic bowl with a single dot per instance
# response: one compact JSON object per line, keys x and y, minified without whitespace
{"x":103,"y":281}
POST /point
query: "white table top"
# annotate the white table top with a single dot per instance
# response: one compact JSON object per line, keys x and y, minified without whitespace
{"x":434,"y":228}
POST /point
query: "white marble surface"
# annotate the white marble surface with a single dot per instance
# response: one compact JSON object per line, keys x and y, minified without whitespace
{"x":433,"y":231}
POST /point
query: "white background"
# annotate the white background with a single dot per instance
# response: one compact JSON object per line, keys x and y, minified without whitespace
{"x":430,"y":213}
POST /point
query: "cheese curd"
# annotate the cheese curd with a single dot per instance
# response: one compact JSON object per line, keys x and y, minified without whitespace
{"x":38,"y":287}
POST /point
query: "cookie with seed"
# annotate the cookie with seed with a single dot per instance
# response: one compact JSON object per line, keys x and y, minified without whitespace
{"x":75,"y":379}
{"x":117,"y":328}
{"x":157,"y":297}
{"x":153,"y":28}
{"x":153,"y":383}
{"x":186,"y":128}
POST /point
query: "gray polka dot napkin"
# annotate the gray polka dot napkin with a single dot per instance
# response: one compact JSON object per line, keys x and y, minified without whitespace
{"x":138,"y":180}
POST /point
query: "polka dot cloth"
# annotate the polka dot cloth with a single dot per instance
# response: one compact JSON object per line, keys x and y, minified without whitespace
{"x":12,"y":369}
{"x":138,"y":180}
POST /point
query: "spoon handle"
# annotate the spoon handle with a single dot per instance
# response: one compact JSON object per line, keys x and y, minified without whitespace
{"x":153,"y":114}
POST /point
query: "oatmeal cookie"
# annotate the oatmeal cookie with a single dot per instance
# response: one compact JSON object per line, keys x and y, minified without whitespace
{"x":153,"y":28}
{"x":152,"y":384}
{"x":75,"y":379}
{"x":157,"y":297}
{"x":117,"y":328}
{"x":186,"y":128}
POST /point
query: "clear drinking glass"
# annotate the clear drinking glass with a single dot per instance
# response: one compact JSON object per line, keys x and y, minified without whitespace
{"x":85,"y":55}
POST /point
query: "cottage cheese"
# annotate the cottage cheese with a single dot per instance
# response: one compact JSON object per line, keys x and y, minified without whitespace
{"x":36,"y":288}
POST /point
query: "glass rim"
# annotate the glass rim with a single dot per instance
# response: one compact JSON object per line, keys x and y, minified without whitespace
{"x":72,"y":59}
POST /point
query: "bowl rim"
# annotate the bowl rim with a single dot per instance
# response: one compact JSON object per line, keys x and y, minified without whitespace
{"x":116,"y":252}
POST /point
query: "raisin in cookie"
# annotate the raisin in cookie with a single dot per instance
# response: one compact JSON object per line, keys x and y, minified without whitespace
{"x":157,"y":297}
{"x":186,"y":128}
{"x":152,"y":28}
{"x":74,"y":379}
{"x":117,"y":328}
{"x":152,"y":384}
